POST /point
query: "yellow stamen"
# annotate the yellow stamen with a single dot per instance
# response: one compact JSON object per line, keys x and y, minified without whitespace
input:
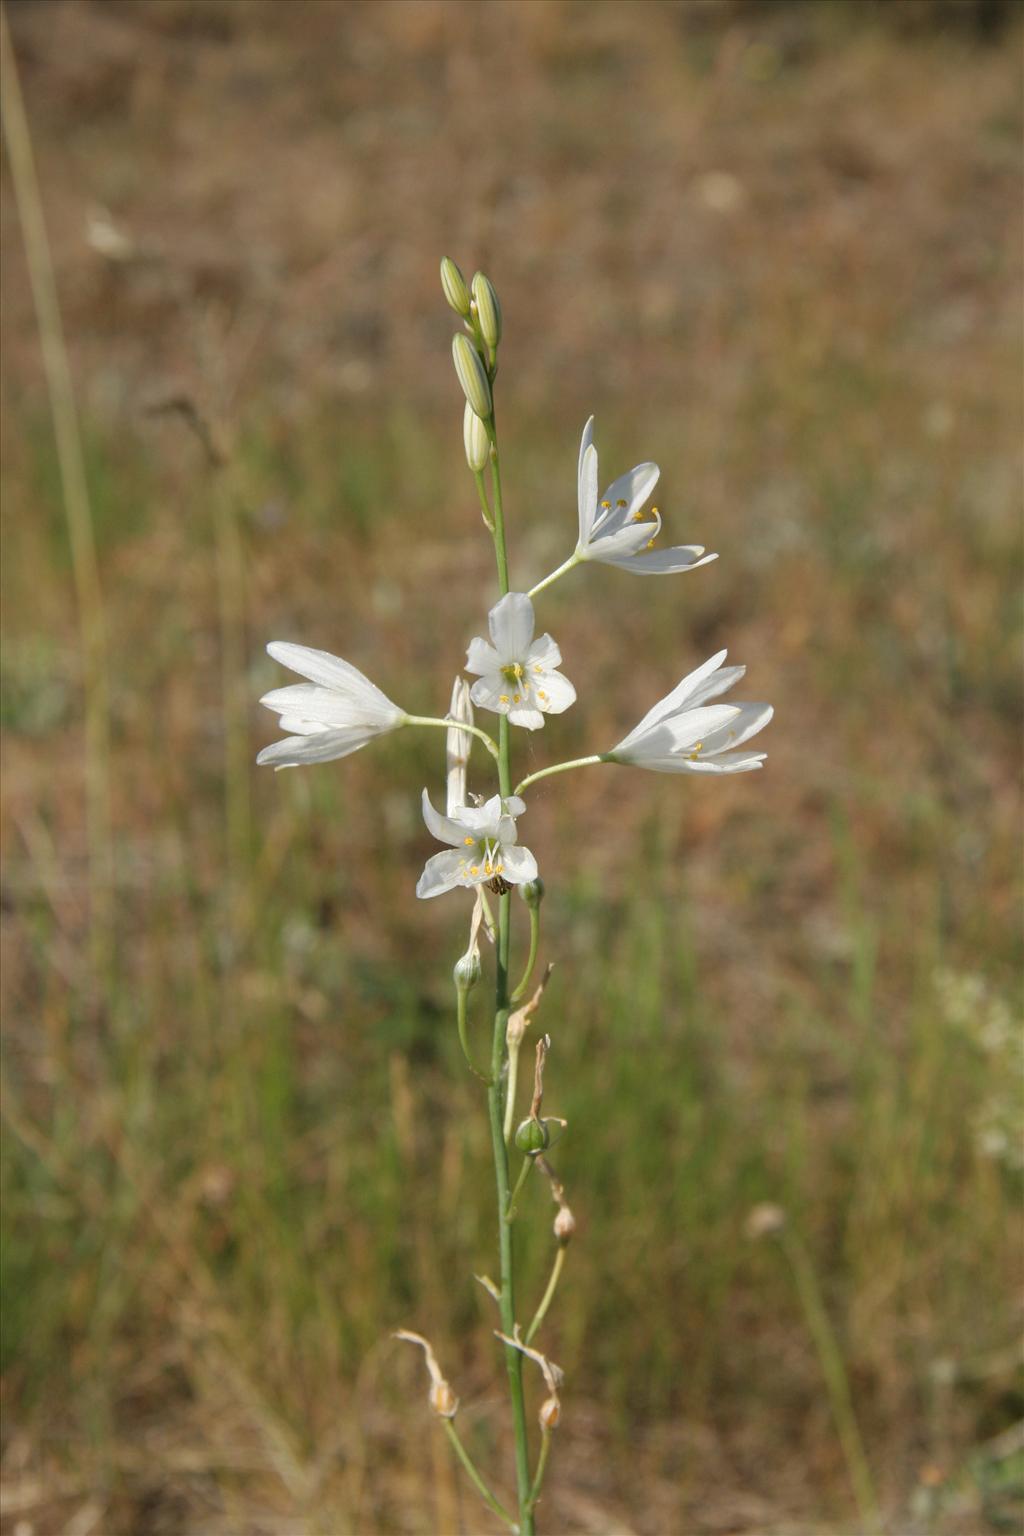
{"x":655,"y":512}
{"x":637,"y":517}
{"x":622,"y":502}
{"x":474,"y":869}
{"x":502,"y":698}
{"x":541,"y":694}
{"x":488,"y":868}
{"x":516,"y":697}
{"x":499,"y":869}
{"x":650,"y":541}
{"x":538,"y":669}
{"x":469,"y":841}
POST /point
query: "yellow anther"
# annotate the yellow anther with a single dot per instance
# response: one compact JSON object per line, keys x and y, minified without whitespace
{"x":650,"y":541}
{"x":622,"y":502}
{"x":516,"y":698}
{"x":503,"y":698}
{"x":538,"y":669}
{"x":488,"y":868}
{"x":655,"y":512}
{"x":637,"y":517}
{"x":693,"y":756}
{"x":541,"y":694}
{"x":606,"y":505}
{"x":474,"y":869}
{"x":499,"y":869}
{"x":469,"y":841}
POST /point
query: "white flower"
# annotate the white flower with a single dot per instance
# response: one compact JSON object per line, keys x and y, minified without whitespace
{"x":617,"y":531}
{"x":335,"y":713}
{"x":683,"y":734}
{"x":483,"y":848}
{"x":516,"y":674}
{"x":458,"y":744}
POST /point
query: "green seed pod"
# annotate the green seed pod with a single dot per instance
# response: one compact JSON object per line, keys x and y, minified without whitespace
{"x":474,"y":436}
{"x":532,"y":893}
{"x":454,"y":285}
{"x":472,"y":375}
{"x":532,"y":1137}
{"x":466,"y":972}
{"x":488,"y":309}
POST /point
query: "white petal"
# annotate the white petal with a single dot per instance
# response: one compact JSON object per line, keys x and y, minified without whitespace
{"x":622,"y":544}
{"x":481,"y":657}
{"x":677,"y":700}
{"x":326,"y":706}
{"x":458,"y":746}
{"x":488,"y":693}
{"x":515,"y":805}
{"x":527,"y":718}
{"x":330,"y":672}
{"x":294,"y":725}
{"x":442,"y":872}
{"x":543,"y":653}
{"x":443,"y":828}
{"x":684,"y":764}
{"x":322,"y":747}
{"x":683,"y":731}
{"x":519,"y":865}
{"x":558,"y":693}
{"x":750,"y":719}
{"x":634,"y":489}
{"x":511,"y":626}
{"x":586,"y":483}
{"x":662,"y":562}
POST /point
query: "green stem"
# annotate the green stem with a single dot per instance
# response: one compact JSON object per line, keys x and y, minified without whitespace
{"x":563,"y":570}
{"x":531,"y":959}
{"x":446,"y":725}
{"x":545,"y":773}
{"x":836,"y":1379}
{"x":524,"y":1174}
{"x":481,"y":491}
{"x":475,"y":1478}
{"x":542,"y":1466}
{"x":460,"y":1016}
{"x":549,"y":1295}
{"x":513,"y":1359}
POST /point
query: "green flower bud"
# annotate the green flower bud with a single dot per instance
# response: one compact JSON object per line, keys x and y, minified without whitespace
{"x":488,"y":309}
{"x":454,"y":285}
{"x":472,"y":375}
{"x":532,"y":1137}
{"x":478,"y":444}
{"x":466,"y":972}
{"x":532,"y":893}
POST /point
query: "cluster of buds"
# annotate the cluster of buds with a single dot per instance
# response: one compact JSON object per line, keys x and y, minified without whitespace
{"x":474,"y":353}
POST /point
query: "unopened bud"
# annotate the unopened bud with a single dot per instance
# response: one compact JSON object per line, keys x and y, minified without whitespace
{"x":532,"y":893}
{"x":532,"y":1137}
{"x":472,"y":375}
{"x":765,"y":1221}
{"x":488,"y":309}
{"x":466,"y":971}
{"x":565,"y":1224}
{"x":454,"y":285}
{"x":443,"y":1400}
{"x":550,"y":1413}
{"x":474,"y":436}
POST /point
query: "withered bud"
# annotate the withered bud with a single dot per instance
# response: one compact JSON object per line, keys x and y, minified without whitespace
{"x":550,"y":1413}
{"x":443,"y":1400}
{"x":565,"y":1224}
{"x":765,"y":1221}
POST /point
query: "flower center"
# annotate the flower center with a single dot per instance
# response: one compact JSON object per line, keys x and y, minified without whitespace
{"x":513,"y":673}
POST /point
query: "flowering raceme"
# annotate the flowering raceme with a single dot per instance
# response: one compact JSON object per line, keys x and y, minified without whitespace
{"x":337,"y":711}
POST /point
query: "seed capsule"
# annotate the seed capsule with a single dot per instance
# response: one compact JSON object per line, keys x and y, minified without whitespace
{"x":532,"y":1137}
{"x":466,"y":971}
{"x":565,"y":1224}
{"x":472,"y":375}
{"x":532,"y":892}
{"x":550,"y":1413}
{"x":454,"y":285}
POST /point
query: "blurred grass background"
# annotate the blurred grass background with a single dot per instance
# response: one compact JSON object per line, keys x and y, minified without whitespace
{"x":775,"y":247}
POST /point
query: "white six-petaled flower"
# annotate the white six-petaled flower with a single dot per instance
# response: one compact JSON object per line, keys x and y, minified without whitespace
{"x":684,"y":734}
{"x":483,"y":848}
{"x":516,"y":674}
{"x":335,"y":713}
{"x":616,"y":530}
